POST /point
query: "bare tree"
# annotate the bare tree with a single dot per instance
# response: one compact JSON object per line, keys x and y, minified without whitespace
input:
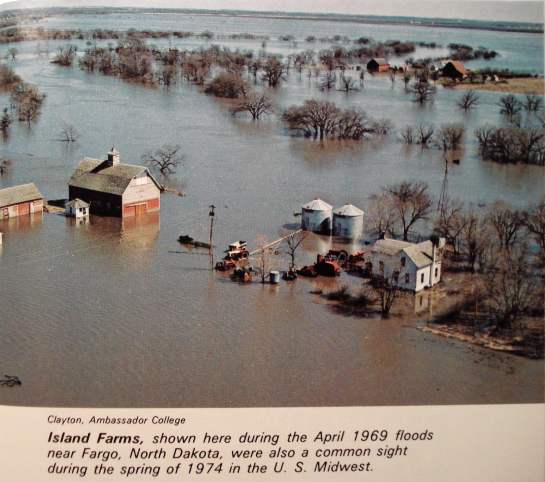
{"x":511,"y":287}
{"x":423,"y":92}
{"x":28,"y":100}
{"x":65,"y":55}
{"x":167,"y":158}
{"x":382,"y":127}
{"x":315,"y":118}
{"x":474,"y":239}
{"x":4,"y":166}
{"x":5,"y":121}
{"x":69,"y":133}
{"x":450,"y":136}
{"x":12,"y":52}
{"x":381,"y":217}
{"x":386,"y":291}
{"x":534,"y":221}
{"x":451,"y":222}
{"x":424,"y":134}
{"x":255,"y":104}
{"x":506,"y":223}
{"x":408,"y":135}
{"x":227,"y":85}
{"x":293,"y":243}
{"x":533,"y":102}
{"x":348,"y":84}
{"x":468,"y":100}
{"x":510,"y":106}
{"x":351,"y":124}
{"x":328,"y":80}
{"x":274,"y":71}
{"x":264,"y":256}
{"x":411,"y":202}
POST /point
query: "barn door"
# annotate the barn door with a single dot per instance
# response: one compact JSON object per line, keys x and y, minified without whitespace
{"x":141,"y":209}
{"x":24,"y":209}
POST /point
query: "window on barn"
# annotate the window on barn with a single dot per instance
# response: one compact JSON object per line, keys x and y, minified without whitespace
{"x":407,"y":278}
{"x":403,"y":261}
{"x":422,"y":278}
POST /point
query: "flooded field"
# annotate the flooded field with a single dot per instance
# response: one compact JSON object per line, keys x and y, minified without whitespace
{"x":112,"y":314}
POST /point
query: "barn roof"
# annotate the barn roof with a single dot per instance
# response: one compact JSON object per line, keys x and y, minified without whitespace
{"x":458,"y":66}
{"x":379,"y":60}
{"x":317,"y":205}
{"x":348,"y":210}
{"x":97,"y":175}
{"x":19,"y":194}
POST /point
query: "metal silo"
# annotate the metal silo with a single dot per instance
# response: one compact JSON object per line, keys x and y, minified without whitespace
{"x":316,"y":216}
{"x":348,"y":221}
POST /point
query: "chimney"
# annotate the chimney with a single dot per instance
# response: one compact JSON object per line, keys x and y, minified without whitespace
{"x":113,"y":157}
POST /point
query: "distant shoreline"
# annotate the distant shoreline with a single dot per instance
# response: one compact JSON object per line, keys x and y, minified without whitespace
{"x":516,"y":27}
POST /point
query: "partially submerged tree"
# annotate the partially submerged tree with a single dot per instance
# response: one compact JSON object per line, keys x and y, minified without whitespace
{"x":65,"y":55}
{"x":69,"y":133}
{"x":293,"y":242}
{"x":274,"y":71}
{"x":328,"y":80}
{"x":533,"y":102}
{"x":510,"y":105}
{"x":450,"y":136}
{"x":506,"y":224}
{"x":469,"y":100}
{"x":534,"y":221}
{"x":4,"y":166}
{"x":256,"y":104}
{"x":381,"y":216}
{"x":227,"y":85}
{"x":166,"y":159}
{"x":423,"y":92}
{"x":315,"y":118}
{"x":5,"y":121}
{"x":386,"y":291}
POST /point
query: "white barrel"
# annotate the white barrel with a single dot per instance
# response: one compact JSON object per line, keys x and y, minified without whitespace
{"x":274,"y":277}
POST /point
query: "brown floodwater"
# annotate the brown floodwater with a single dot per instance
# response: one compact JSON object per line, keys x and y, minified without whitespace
{"x":107,"y":313}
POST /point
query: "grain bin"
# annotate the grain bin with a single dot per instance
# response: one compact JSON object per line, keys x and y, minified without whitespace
{"x":348,"y":221}
{"x":316,"y":216}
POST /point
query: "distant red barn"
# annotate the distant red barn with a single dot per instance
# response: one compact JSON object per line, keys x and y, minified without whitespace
{"x":454,"y":69}
{"x":378,"y":64}
{"x":20,"y":201}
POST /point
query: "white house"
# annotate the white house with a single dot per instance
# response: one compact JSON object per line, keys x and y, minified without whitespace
{"x":415,"y":266}
{"x":77,"y":208}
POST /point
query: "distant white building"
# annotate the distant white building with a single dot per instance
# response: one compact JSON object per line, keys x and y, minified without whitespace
{"x":415,"y":266}
{"x":77,"y":208}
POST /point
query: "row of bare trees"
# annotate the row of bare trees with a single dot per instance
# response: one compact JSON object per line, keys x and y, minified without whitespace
{"x":318,"y":119}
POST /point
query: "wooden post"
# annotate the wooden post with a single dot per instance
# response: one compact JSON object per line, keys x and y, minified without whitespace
{"x":211,"y":215}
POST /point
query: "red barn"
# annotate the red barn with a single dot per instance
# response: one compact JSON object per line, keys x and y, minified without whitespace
{"x":113,"y":188}
{"x":378,"y":64}
{"x":20,"y":201}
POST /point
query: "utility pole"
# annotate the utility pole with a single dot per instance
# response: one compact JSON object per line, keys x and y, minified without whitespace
{"x":211,"y":215}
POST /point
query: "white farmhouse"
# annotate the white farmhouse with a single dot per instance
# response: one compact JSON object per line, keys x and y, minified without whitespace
{"x":415,"y":266}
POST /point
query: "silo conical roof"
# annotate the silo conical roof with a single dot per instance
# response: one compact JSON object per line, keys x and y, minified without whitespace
{"x":317,"y":205}
{"x":348,"y":210}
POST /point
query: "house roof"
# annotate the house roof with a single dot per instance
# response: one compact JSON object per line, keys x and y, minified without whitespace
{"x":389,"y":247}
{"x":379,"y":60}
{"x":97,"y":175}
{"x":348,"y":210}
{"x":77,"y":204}
{"x":457,"y":65}
{"x":317,"y":205}
{"x":420,"y":254}
{"x":19,"y":194}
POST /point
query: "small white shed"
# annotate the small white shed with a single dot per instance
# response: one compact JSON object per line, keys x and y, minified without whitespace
{"x":77,"y":209}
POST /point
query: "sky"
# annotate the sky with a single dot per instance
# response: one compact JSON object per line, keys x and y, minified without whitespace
{"x":523,"y":11}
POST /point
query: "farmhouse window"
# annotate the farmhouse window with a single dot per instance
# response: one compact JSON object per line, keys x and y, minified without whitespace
{"x":422,"y":278}
{"x":403,"y":261}
{"x":436,"y":272}
{"x":407,"y":278}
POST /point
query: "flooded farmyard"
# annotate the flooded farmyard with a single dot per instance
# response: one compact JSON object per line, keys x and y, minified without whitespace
{"x":116,"y":312}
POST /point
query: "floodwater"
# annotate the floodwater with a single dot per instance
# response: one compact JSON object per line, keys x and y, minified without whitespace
{"x":112,"y":314}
